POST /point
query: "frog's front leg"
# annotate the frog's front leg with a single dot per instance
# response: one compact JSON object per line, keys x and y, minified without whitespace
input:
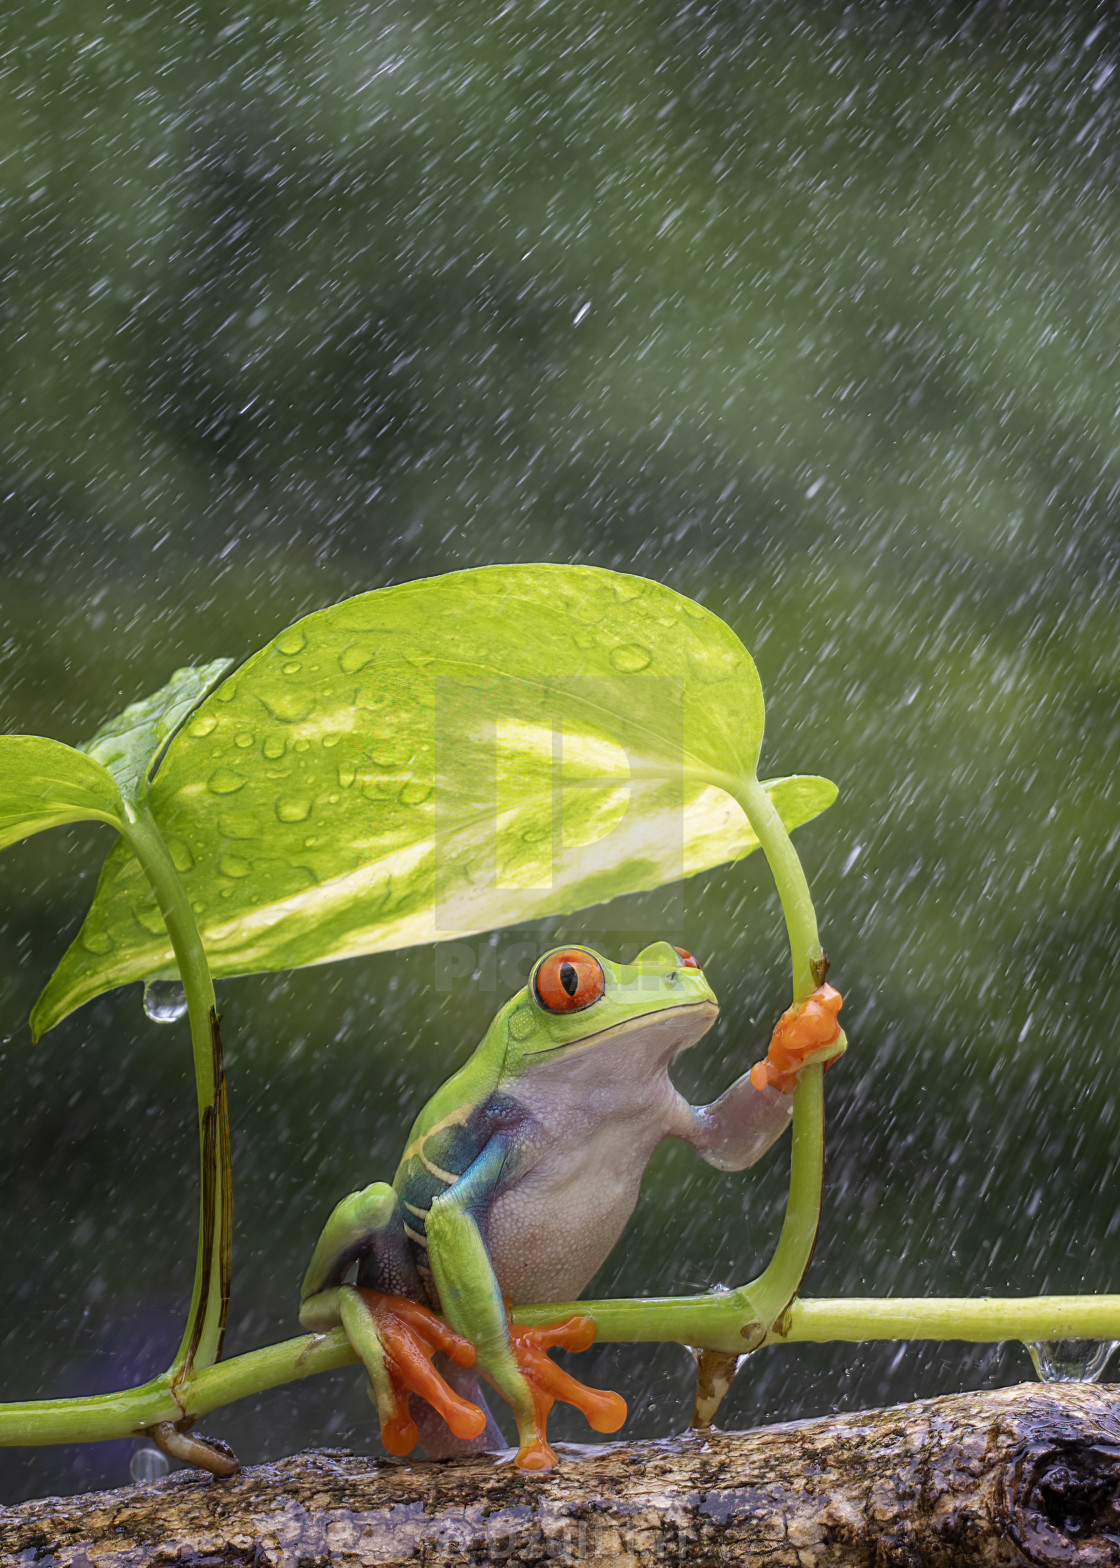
{"x":513,"y":1360}
{"x":391,"y":1332}
{"x":739,"y":1127}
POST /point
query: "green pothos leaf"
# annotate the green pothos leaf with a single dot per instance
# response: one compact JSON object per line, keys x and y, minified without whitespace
{"x":438,"y":758}
{"x":44,"y":784}
{"x":130,"y":743}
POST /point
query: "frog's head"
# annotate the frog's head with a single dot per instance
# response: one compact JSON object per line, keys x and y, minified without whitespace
{"x":577,"y":1001}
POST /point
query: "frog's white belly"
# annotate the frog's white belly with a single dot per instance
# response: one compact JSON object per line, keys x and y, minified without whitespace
{"x":550,"y":1232}
{"x":598,"y":1115}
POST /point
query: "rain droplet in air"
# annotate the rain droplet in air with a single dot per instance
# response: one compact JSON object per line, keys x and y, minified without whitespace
{"x":165,"y":1002}
{"x":1071,"y":1360}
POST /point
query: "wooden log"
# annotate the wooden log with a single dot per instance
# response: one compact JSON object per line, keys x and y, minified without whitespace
{"x":1027,"y":1475}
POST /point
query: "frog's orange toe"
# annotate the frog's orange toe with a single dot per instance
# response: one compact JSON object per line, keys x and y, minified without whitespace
{"x":549,"y":1384}
{"x":537,"y":1455}
{"x":410,"y":1336}
{"x":400,"y":1435}
{"x":800,"y":1034}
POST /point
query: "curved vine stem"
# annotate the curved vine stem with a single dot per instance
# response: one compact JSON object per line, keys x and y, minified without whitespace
{"x":202,"y":1338}
{"x":776,"y":1287}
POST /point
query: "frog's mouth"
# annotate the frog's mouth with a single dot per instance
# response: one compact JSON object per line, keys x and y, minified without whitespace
{"x":672,"y":1030}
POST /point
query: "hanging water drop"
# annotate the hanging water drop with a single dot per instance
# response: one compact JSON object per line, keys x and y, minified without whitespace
{"x":148,"y":1464}
{"x":165,"y":1001}
{"x":1071,"y":1360}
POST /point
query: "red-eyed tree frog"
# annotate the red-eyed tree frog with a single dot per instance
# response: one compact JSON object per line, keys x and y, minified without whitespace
{"x":517,"y":1180}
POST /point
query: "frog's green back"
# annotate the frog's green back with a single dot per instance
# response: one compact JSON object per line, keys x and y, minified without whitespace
{"x":453,"y":1128}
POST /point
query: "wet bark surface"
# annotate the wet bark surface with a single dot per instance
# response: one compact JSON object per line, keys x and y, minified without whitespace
{"x":1020,"y":1475}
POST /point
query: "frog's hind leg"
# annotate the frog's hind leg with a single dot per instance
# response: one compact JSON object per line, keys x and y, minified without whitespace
{"x":365,"y":1228}
{"x":392,"y":1333}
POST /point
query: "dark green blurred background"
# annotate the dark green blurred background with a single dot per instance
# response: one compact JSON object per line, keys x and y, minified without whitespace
{"x":811,"y":312}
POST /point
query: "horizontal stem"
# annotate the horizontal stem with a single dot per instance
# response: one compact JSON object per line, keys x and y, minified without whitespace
{"x":981,"y":1319}
{"x":717,"y":1321}
{"x":692,"y":1320}
{"x":100,"y":1417}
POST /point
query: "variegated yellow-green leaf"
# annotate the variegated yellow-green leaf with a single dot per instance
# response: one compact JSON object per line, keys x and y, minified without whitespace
{"x":44,"y":784}
{"x":441,"y":757}
{"x":130,"y":743}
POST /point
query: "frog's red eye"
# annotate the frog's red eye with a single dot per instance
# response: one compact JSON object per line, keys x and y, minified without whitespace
{"x":569,"y":980}
{"x":687,"y":959}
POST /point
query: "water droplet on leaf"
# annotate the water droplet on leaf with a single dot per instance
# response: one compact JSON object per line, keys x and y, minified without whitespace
{"x":206,"y":724}
{"x":149,"y":917}
{"x":165,"y":1001}
{"x":243,"y":740}
{"x":181,"y":857}
{"x":288,"y":706}
{"x":234,"y":866}
{"x":630,"y":657}
{"x":294,"y":640}
{"x":274,"y":746}
{"x":226,"y":782}
{"x":97,"y":942}
{"x":354,"y":658}
{"x":295,"y":809}
{"x":413,"y":794}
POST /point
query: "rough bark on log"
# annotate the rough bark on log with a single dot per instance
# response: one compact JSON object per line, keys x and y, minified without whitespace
{"x":1027,"y":1475}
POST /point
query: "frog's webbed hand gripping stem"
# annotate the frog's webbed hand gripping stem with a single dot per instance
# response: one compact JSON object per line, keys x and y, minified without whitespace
{"x":737,"y":1129}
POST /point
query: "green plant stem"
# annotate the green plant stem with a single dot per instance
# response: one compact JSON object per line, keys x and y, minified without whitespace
{"x":789,"y":879}
{"x":691,"y":1320}
{"x":780,"y":1281}
{"x":771,"y":1293}
{"x":712,"y":1321}
{"x":982,"y":1319}
{"x":202,"y":1338}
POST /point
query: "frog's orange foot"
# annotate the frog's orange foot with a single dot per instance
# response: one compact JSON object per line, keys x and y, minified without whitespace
{"x":549,"y":1383}
{"x":410,"y":1335}
{"x":803,"y":1034}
